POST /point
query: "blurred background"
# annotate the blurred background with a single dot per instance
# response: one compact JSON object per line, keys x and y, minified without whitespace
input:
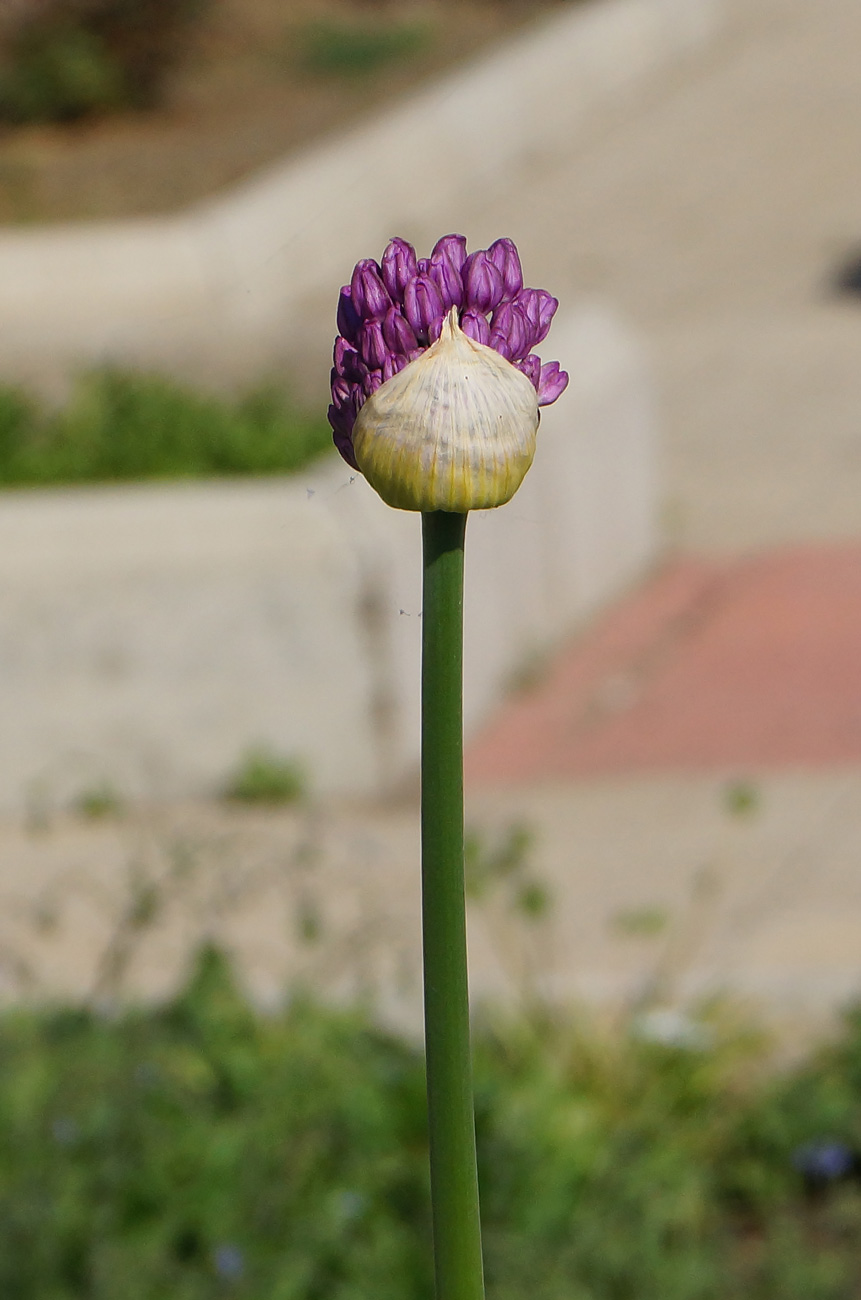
{"x":209,"y":632}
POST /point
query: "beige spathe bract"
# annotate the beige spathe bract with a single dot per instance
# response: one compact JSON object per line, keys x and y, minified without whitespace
{"x":455,"y":430}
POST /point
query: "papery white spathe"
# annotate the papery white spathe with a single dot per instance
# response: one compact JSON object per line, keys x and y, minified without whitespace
{"x":454,"y":430}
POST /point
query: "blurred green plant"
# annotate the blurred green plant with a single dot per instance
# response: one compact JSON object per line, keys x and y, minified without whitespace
{"x":121,"y":425}
{"x":100,"y":802}
{"x":265,"y":777}
{"x":357,"y":47}
{"x":492,"y":862}
{"x":199,"y":1149}
{"x":742,"y":798}
{"x":65,"y":59}
{"x":640,"y":922}
{"x":515,"y":904}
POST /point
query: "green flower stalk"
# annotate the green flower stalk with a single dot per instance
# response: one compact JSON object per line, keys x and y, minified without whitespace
{"x":435,"y":397}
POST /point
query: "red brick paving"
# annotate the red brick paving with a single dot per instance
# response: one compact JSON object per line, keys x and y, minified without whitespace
{"x":751,"y":663}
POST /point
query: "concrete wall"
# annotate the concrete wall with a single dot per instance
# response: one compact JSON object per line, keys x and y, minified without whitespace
{"x":251,"y":276}
{"x":149,"y":634}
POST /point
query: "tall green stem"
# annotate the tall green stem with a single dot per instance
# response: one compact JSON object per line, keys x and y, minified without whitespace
{"x":454,"y":1179}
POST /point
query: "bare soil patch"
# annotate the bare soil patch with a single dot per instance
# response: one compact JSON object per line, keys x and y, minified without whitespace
{"x":262,"y":79}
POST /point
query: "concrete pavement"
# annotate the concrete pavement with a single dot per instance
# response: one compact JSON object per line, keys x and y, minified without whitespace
{"x":668,"y":887}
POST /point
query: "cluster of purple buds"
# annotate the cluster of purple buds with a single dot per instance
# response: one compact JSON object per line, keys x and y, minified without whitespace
{"x":392,"y":310}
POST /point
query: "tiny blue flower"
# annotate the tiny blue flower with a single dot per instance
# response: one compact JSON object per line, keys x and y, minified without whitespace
{"x":229,"y":1262}
{"x":350,"y":1206}
{"x":823,"y":1161}
{"x":146,"y":1074}
{"x":64,"y":1131}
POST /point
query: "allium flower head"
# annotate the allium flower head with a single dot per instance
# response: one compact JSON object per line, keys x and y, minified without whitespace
{"x":435,"y":382}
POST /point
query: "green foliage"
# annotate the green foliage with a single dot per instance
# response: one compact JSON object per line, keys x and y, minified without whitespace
{"x":490,"y":864}
{"x":99,"y":802}
{"x":641,"y":922}
{"x":500,"y":868}
{"x":267,"y":778}
{"x":124,"y":425}
{"x":359,"y":47}
{"x":742,"y":798}
{"x":67,"y":59}
{"x":618,"y":1167}
{"x":533,"y":900}
{"x":58,"y":75}
{"x":200,"y":1149}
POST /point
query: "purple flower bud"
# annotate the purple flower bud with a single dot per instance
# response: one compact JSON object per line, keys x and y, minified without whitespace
{"x":499,"y":343}
{"x":342,"y":390}
{"x":370,"y":296}
{"x":338,"y":353}
{"x":519,"y":333}
{"x":393,"y":365}
{"x":482,"y":282}
{"x":372,"y":381}
{"x":510,"y":331}
{"x":348,"y":400}
{"x":539,"y":307}
{"x":341,"y":421}
{"x":448,"y":280}
{"x":506,"y":259}
{"x":357,"y":394}
{"x":435,"y":328}
{"x":531,"y":367}
{"x":372,"y":345}
{"x":474,"y":325}
{"x":423,"y":265}
{"x":398,"y":333}
{"x":451,"y":249}
{"x":398,"y":266}
{"x":551,"y":384}
{"x":354,"y":367}
{"x":349,"y":319}
{"x":346,"y":360}
{"x":340,"y":418}
{"x":422,"y":303}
